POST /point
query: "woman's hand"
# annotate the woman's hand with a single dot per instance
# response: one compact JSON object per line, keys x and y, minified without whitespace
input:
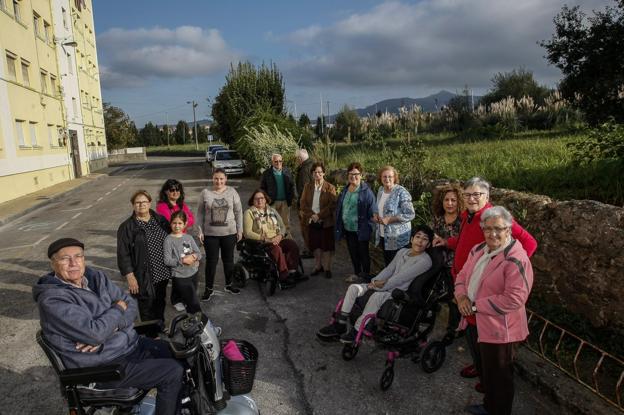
{"x":314,"y":218}
{"x":277,"y":239}
{"x":239,"y":236}
{"x":464,"y":305}
{"x":438,"y":241}
{"x":201,"y":237}
{"x":377,"y":284}
{"x":376,"y":218}
{"x":133,"y":285}
{"x":386,"y":220}
{"x":189,"y":259}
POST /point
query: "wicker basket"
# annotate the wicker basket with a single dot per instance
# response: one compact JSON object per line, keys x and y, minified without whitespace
{"x":238,"y":376}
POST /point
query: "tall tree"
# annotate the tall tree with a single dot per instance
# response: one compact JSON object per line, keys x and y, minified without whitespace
{"x":588,"y":51}
{"x":516,"y":84}
{"x":347,"y":124}
{"x":181,"y":135}
{"x":120,"y":131}
{"x":151,"y":135}
{"x":247,"y":90}
{"x":304,"y":121}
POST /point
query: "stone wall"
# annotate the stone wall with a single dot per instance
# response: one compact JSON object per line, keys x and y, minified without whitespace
{"x":580,"y":260}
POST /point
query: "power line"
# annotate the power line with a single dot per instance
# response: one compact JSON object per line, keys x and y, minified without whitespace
{"x":159,"y":112}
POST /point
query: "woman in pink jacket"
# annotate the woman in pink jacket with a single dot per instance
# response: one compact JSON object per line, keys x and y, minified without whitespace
{"x":494,"y":286}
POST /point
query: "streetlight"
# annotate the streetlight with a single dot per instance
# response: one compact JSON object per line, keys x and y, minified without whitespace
{"x":194,"y":123}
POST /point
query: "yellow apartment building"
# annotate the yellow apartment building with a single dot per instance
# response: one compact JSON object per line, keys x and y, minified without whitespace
{"x":40,"y":72}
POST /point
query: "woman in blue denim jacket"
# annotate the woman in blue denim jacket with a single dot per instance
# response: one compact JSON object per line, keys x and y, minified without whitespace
{"x":393,"y":222}
{"x":355,"y":210}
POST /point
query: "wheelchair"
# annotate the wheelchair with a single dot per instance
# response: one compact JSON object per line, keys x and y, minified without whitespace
{"x":255,"y":263}
{"x":404,"y":322}
{"x":212,"y":384}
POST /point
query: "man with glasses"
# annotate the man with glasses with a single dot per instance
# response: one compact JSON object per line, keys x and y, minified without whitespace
{"x":278,"y":182}
{"x":476,"y":196}
{"x":88,"y":320}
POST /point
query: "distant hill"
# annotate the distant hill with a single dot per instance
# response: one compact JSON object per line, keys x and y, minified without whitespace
{"x":430,"y":103}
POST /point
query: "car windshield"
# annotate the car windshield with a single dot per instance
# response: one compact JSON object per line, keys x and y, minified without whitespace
{"x":227,"y":155}
{"x":217,"y":148}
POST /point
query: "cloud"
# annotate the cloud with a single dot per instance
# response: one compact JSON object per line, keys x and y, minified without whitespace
{"x":431,"y":44}
{"x":131,"y":56}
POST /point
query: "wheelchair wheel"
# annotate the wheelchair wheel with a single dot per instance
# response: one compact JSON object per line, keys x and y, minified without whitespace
{"x":349,"y":351}
{"x":387,"y":377}
{"x":240,"y":275}
{"x":268,"y":285}
{"x":432,"y":357}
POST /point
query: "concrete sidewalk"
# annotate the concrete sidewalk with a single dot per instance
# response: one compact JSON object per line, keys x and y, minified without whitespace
{"x":16,"y":208}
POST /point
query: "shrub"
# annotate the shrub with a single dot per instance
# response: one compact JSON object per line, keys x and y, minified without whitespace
{"x":260,"y":142}
{"x":603,"y":142}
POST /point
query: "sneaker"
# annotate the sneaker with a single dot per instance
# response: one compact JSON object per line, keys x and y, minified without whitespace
{"x":298,"y":277}
{"x":352,"y":278}
{"x":333,"y":331}
{"x":231,"y":289}
{"x":206,"y":295}
{"x":469,"y":372}
{"x":349,"y":336}
{"x":179,"y":307}
{"x":328,"y":274}
{"x":477,"y":409}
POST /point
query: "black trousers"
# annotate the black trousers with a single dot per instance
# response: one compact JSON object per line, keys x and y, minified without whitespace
{"x":497,"y":377}
{"x":212,"y":245}
{"x":387,"y":254}
{"x":153,"y":308}
{"x":175,"y":297}
{"x":473,"y":347}
{"x":185,"y":287}
{"x":152,"y":365}
{"x":360,"y":256}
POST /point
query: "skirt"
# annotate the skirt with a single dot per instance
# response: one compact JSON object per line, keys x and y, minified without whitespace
{"x":322,"y":239}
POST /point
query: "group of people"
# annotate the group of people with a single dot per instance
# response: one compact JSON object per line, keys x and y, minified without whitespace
{"x":486,"y":254}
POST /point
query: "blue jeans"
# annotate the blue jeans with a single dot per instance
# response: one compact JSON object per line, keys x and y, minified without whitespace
{"x":150,"y":365}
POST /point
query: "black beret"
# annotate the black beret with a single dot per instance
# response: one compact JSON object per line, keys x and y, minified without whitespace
{"x":63,"y":243}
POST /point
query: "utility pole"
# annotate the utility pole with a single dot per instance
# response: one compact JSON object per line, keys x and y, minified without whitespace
{"x":167,"y":127}
{"x":328,"y":116}
{"x":322,"y":118}
{"x":195,"y":104}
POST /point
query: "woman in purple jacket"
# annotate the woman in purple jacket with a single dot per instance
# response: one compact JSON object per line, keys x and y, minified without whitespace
{"x":494,"y":286}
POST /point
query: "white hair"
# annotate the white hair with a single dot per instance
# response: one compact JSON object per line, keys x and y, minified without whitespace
{"x":275,"y":155}
{"x":496,"y":212}
{"x":302,"y":153}
{"x":479,"y":182}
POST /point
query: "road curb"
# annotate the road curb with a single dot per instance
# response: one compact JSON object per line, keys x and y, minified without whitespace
{"x":570,"y":396}
{"x":6,"y":220}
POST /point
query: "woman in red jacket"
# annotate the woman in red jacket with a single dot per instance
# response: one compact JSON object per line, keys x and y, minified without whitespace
{"x":476,"y":197}
{"x":494,"y":286}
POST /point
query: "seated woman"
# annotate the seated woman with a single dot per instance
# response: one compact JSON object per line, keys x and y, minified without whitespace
{"x":406,"y":265}
{"x":262,"y":223}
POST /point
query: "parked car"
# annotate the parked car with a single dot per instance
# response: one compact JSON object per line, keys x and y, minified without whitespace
{"x":211,"y":150}
{"x":228,"y":160}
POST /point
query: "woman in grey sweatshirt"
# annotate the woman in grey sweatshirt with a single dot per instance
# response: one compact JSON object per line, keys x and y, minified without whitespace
{"x":220,"y":220}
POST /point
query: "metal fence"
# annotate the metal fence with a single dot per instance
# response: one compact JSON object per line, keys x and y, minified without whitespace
{"x":592,"y":367}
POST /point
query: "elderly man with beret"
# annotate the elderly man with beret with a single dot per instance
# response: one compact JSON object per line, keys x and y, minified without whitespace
{"x":88,"y":320}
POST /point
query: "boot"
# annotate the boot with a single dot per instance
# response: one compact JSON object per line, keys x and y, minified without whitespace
{"x":333,"y":331}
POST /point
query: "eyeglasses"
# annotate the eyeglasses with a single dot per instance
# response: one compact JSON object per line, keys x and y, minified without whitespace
{"x":319,"y":172}
{"x":174,"y":189}
{"x":475,"y":195}
{"x":388,"y":177}
{"x":495,"y":229}
{"x":142,"y":202}
{"x":66,"y":259}
{"x":260,"y":198}
{"x":278,"y":161}
{"x":354,"y":174}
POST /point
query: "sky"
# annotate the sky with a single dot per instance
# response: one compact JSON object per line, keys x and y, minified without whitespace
{"x":155,"y":56}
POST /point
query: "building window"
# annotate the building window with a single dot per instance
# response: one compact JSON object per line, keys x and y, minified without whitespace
{"x":47,"y":33}
{"x":70,"y":65}
{"x":19,"y":131}
{"x":17,"y":12}
{"x":64,"y":14}
{"x":11,"y":63}
{"x":2,"y":5}
{"x":33,"y":133}
{"x":36,"y":23}
{"x":44,"y":81}
{"x":74,"y":106}
{"x":51,"y":135}
{"x":53,"y":89}
{"x":25,"y":74}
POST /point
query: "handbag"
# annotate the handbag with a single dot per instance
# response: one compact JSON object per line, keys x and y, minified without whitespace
{"x":316,"y":225}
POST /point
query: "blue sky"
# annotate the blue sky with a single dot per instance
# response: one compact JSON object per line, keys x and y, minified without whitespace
{"x":154,"y":55}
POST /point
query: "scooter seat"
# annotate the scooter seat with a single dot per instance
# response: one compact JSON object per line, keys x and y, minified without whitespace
{"x":121,"y":396}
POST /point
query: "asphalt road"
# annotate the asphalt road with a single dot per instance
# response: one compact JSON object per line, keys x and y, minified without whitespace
{"x":296,"y":373}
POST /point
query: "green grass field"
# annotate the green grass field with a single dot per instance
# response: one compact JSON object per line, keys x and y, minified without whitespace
{"x":536,"y":161}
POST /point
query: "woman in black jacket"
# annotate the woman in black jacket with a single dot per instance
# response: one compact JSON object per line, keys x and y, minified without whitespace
{"x":140,"y":256}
